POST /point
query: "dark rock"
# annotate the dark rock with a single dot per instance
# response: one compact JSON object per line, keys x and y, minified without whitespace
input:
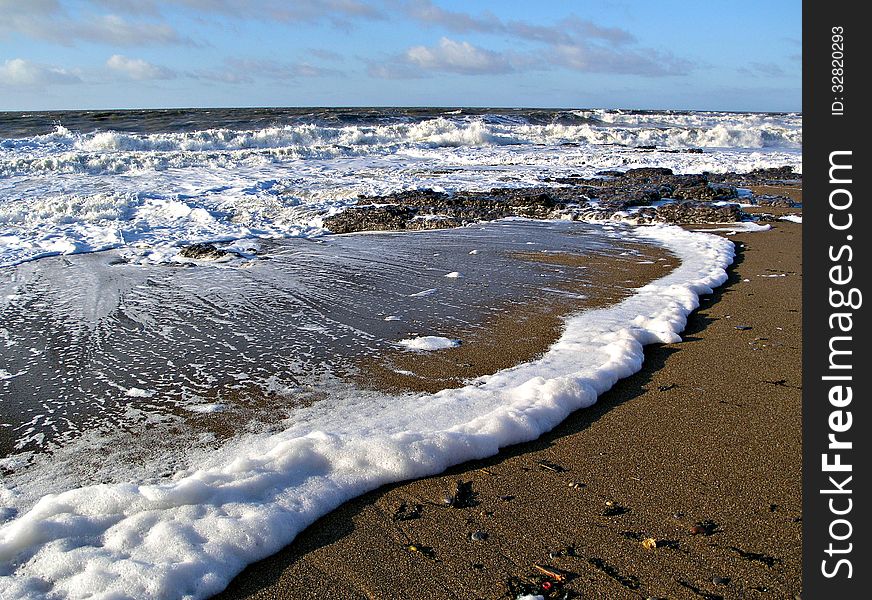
{"x":573,"y":197}
{"x":706,"y":528}
{"x":705,"y":192}
{"x":404,"y":513}
{"x":370,"y":218}
{"x":614,"y":510}
{"x":779,"y":201}
{"x":770,"y":176}
{"x":648,"y":172}
{"x":691,"y":212}
{"x":202,"y":252}
{"x":463,"y":496}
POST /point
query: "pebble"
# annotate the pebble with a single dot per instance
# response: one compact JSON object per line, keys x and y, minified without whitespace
{"x":721,"y":580}
{"x":478,"y":536}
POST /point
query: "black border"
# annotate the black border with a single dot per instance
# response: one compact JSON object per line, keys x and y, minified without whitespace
{"x":823,"y":133}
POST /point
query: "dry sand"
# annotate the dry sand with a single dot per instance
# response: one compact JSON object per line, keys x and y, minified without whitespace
{"x":700,"y":451}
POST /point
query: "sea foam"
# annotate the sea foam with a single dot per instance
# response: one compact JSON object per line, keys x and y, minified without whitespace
{"x":188,"y":537}
{"x":73,"y":191}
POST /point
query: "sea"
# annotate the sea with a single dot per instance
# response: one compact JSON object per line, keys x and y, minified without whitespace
{"x":164,"y":421}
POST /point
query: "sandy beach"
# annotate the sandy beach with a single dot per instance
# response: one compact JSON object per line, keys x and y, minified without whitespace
{"x":683,"y":481}
{"x":219,"y":345}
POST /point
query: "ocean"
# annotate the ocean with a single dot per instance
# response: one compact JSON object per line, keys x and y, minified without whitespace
{"x":148,"y":181}
{"x":164,"y":423}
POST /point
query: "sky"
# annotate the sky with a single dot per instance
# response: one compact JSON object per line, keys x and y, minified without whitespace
{"x":99,"y":54}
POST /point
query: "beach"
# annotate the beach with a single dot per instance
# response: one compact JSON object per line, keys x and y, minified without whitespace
{"x":229,"y":331}
{"x":699,"y":451}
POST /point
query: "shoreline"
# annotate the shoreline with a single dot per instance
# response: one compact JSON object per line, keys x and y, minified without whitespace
{"x":652,"y":459}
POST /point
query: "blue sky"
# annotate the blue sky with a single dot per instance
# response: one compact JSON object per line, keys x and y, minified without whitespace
{"x":714,"y":55}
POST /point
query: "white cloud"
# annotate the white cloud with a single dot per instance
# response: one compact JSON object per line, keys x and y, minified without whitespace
{"x":572,"y":43}
{"x":451,"y":56}
{"x":246,"y":70}
{"x":760,"y":69}
{"x":428,"y":13}
{"x":566,"y":31}
{"x":262,"y":10}
{"x":19,"y":72}
{"x":115,"y":30}
{"x":48,"y":20}
{"x":457,"y":57}
{"x":596,"y":59}
{"x":138,"y":69}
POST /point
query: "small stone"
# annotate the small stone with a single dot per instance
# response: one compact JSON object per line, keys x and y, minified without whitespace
{"x":649,"y":543}
{"x":478,"y":536}
{"x":721,"y":580}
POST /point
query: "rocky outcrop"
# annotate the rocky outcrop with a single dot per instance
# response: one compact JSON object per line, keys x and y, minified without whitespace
{"x":645,"y":194}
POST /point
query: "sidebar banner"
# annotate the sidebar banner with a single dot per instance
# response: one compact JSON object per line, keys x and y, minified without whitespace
{"x":837,"y":301}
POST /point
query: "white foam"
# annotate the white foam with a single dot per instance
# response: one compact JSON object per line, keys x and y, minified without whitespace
{"x":71,"y":191}
{"x":792,"y":218}
{"x":6,"y":375}
{"x":423,"y":293}
{"x":208,"y":408}
{"x":453,"y":275}
{"x":187,"y":536}
{"x":428,"y":343}
{"x":739,"y":227}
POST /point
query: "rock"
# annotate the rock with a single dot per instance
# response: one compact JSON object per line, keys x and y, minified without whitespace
{"x":202,"y":252}
{"x":478,"y":536}
{"x":613,"y":510}
{"x":778,"y":201}
{"x":370,"y":218}
{"x":706,"y":192}
{"x":573,"y":196}
{"x":691,"y":213}
{"x":705,"y":528}
{"x":404,"y":513}
{"x":463,"y":496}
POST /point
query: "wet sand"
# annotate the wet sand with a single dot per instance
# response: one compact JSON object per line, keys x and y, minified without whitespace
{"x":699,"y":452}
{"x":523,"y":329}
